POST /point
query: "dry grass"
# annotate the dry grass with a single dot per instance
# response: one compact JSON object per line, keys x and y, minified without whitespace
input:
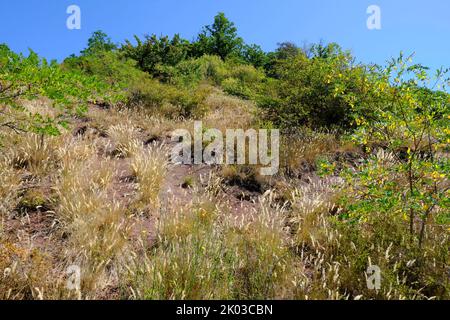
{"x":141,"y":119}
{"x":25,"y":273}
{"x":97,"y":226}
{"x":248,"y":178}
{"x":311,"y":207}
{"x":41,"y":106}
{"x":227,"y":112}
{"x":300,"y":151}
{"x":288,"y":243}
{"x":9,"y":187}
{"x":149,"y":166}
{"x":35,"y":153}
{"x":125,"y":138}
{"x":204,"y":254}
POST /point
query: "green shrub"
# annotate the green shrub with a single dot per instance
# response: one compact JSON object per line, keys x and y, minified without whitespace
{"x":169,"y":100}
{"x":317,"y":92}
{"x":25,"y":78}
{"x":109,"y":66}
{"x":393,"y":212}
{"x":154,"y":52}
{"x":191,"y":72}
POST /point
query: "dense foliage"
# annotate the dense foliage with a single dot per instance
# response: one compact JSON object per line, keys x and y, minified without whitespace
{"x":25,"y":78}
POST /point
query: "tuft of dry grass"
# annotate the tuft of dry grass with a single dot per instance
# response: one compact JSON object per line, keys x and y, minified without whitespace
{"x":246,"y":177}
{"x":97,"y":227}
{"x":312,"y":204}
{"x":34,"y":153}
{"x":142,"y":119}
{"x":149,"y":166}
{"x":10,"y":183}
{"x":25,"y":273}
{"x":300,"y":151}
{"x":229,"y":112}
{"x":125,"y":138}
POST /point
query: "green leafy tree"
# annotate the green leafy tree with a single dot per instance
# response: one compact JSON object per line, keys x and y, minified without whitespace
{"x":219,"y":39}
{"x":154,"y":52}
{"x":321,"y":51}
{"x":285,"y":51}
{"x":254,"y":55}
{"x":98,"y":42}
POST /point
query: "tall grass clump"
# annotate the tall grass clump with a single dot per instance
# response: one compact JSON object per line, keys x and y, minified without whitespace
{"x":95,"y":225}
{"x":202,"y":254}
{"x":149,"y":166}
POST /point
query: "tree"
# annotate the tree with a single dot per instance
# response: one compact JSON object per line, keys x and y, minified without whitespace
{"x":321,"y":51}
{"x":219,"y":39}
{"x":154,"y":52}
{"x":253,"y":54}
{"x":285,"y":51}
{"x":98,"y":42}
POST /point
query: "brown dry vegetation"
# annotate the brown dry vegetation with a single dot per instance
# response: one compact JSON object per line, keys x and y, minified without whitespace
{"x":104,"y":197}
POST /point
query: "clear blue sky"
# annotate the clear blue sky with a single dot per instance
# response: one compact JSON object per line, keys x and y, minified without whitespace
{"x":410,"y":25}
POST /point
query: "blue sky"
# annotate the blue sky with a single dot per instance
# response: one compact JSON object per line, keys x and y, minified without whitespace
{"x":407,"y":25}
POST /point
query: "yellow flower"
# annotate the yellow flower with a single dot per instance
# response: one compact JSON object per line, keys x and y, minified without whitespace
{"x":405,"y":216}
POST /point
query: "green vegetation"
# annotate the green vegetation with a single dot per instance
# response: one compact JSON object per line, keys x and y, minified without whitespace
{"x":31,"y":77}
{"x":364,"y":177}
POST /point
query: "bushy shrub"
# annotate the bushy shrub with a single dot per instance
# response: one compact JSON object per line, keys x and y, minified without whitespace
{"x":243,"y":81}
{"x":169,"y":100}
{"x":409,"y":127}
{"x":26,"y":78}
{"x":154,"y":52}
{"x":317,"y":92}
{"x":393,"y":212}
{"x":234,"y":77}
{"x":191,"y":72}
{"x":110,"y":66}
